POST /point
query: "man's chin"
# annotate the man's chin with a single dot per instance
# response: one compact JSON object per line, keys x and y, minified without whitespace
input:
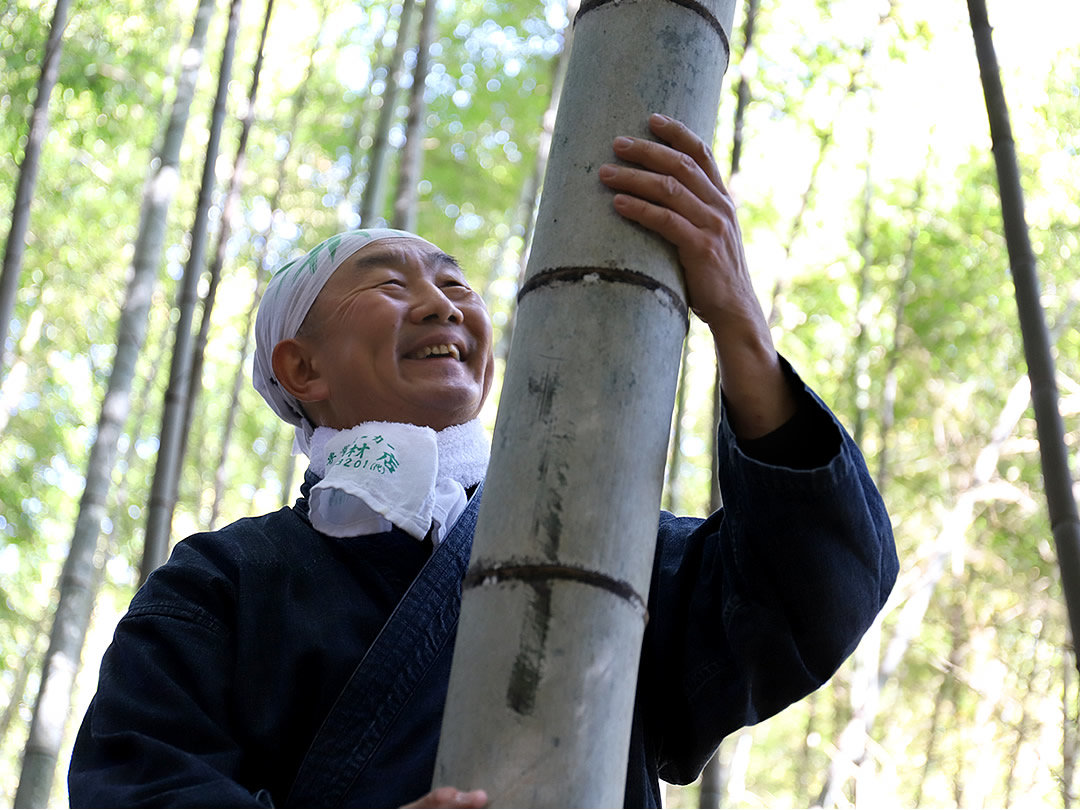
{"x":445,"y":413}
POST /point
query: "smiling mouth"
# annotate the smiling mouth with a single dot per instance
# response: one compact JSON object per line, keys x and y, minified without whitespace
{"x":440,"y":350}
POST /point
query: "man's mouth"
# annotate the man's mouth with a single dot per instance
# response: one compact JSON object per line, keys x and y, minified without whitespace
{"x":439,"y":350}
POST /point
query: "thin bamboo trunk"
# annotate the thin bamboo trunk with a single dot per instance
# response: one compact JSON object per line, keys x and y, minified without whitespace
{"x":22,"y":678}
{"x":77,"y":578}
{"x":860,"y":377}
{"x":675,"y":454}
{"x":743,"y":96}
{"x":280,"y":439}
{"x":288,"y":474}
{"x":14,"y":385}
{"x":735,"y":785}
{"x":795,"y":229}
{"x":742,"y":91}
{"x":804,"y":773}
{"x":954,"y":526}
{"x":131,"y":474}
{"x":130,"y":466}
{"x":850,"y":752}
{"x":712,"y":782}
{"x":1057,"y":479}
{"x":849,"y":758}
{"x":1070,"y":742}
{"x":944,"y":696}
{"x":166,"y":472}
{"x":825,"y":140}
{"x":900,"y":298}
{"x":412,"y":153}
{"x":228,"y":212}
{"x":542,"y":687}
{"x":379,"y":54}
{"x":528,"y":202}
{"x":28,"y":171}
{"x":379,"y":155}
{"x":1031,"y":690}
{"x":240,"y":376}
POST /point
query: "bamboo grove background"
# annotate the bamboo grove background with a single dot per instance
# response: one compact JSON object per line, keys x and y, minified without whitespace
{"x":868,"y":201}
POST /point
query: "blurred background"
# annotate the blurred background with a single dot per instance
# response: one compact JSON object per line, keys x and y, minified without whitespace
{"x":869,"y":206}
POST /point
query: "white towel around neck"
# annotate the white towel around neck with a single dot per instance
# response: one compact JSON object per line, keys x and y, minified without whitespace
{"x":379,"y":474}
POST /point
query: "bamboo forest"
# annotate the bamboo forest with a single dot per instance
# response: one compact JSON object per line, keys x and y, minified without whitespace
{"x":159,"y":159}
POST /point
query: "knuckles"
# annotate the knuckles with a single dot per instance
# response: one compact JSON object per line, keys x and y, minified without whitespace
{"x":670,"y":187}
{"x":687,"y":163}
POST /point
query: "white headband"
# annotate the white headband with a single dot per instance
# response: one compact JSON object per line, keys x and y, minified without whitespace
{"x":289,"y":295}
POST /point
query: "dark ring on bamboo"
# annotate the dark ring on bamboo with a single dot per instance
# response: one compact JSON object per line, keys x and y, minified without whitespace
{"x":692,"y":5}
{"x":616,"y":275}
{"x":533,"y":572}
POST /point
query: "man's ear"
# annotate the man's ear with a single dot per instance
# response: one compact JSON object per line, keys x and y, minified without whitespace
{"x":294,"y":369}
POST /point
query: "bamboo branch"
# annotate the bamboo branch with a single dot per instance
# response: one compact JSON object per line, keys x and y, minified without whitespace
{"x":78,"y":577}
{"x":164,"y":486}
{"x":1061,"y":503}
{"x":28,"y":171}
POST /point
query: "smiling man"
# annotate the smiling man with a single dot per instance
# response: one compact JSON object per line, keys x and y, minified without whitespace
{"x":301,"y":658}
{"x":396,"y":335}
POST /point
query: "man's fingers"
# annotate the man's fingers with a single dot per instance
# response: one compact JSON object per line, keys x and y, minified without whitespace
{"x":662,"y":189}
{"x":679,"y":136}
{"x":664,"y":221}
{"x":663,"y":159}
{"x":674,"y":189}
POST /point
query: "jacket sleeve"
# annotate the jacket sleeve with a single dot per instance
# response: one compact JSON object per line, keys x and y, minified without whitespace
{"x":757,"y":606}
{"x":157,"y":731}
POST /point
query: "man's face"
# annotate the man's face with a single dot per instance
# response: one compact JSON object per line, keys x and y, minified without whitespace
{"x":399,"y":336}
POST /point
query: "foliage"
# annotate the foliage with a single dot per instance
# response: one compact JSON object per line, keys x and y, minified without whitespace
{"x":973,"y":714}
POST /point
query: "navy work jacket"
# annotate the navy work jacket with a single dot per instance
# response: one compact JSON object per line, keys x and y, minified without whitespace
{"x":233,"y":655}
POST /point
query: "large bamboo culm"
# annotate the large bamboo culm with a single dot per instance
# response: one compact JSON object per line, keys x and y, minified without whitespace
{"x":553,"y":611}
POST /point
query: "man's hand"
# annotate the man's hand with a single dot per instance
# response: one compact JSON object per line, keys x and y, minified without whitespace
{"x":675,"y":189}
{"x":451,"y":797}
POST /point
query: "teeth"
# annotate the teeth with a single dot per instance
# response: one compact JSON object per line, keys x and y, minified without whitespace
{"x":441,"y":350}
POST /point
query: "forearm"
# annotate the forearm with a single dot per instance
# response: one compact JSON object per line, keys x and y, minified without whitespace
{"x":758,"y":605}
{"x":812,"y":545}
{"x":758,"y":395}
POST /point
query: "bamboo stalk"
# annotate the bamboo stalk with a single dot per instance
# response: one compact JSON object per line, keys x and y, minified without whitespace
{"x":1057,"y":479}
{"x":542,"y":687}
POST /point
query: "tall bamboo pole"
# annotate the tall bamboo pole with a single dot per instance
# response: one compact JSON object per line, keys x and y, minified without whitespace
{"x":672,"y":500}
{"x":528,"y":203}
{"x":412,"y":153}
{"x":240,"y":377}
{"x":28,"y":170}
{"x":166,"y":471}
{"x":77,"y":579}
{"x":1057,"y":480}
{"x":900,"y":299}
{"x":228,"y":212}
{"x":371,"y":202}
{"x":715,"y":774}
{"x":543,"y":683}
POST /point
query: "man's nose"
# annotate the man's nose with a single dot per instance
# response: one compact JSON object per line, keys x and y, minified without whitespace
{"x":431,"y":303}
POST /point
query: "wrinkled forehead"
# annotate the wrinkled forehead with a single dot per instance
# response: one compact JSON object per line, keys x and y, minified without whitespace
{"x":293,"y":288}
{"x":398,"y":252}
{"x":410,"y":257}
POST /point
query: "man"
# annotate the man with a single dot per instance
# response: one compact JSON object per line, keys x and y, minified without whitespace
{"x":302,"y":657}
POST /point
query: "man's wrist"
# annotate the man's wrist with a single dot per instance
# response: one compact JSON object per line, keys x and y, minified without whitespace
{"x":758,"y":395}
{"x":808,"y":440}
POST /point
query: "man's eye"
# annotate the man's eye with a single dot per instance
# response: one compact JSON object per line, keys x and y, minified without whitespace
{"x":392,"y":282}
